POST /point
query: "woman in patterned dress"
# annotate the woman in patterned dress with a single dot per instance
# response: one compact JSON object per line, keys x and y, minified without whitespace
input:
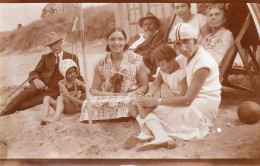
{"x":221,"y":39}
{"x":118,"y":74}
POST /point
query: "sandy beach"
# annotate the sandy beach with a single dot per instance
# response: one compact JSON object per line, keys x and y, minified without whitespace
{"x":22,"y":136}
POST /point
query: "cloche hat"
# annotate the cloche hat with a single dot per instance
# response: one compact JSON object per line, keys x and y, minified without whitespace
{"x":184,"y":31}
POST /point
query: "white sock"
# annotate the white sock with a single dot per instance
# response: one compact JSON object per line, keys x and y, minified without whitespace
{"x":156,"y":127}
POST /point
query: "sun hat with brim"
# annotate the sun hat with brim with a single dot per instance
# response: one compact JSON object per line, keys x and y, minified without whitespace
{"x":65,"y":65}
{"x":149,"y":15}
{"x":51,"y":38}
{"x":184,"y":31}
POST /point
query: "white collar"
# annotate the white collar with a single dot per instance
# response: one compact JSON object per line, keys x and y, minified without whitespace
{"x":60,"y":55}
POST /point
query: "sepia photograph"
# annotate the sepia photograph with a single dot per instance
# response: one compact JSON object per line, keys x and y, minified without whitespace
{"x":130,"y":81}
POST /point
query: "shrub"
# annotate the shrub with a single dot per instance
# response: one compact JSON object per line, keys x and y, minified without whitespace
{"x":97,"y":20}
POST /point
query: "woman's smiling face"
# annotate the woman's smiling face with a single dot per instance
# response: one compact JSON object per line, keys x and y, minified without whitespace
{"x":116,"y":42}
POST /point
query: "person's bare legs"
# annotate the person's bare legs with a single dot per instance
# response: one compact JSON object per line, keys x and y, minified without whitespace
{"x":59,"y":109}
{"x":47,"y":102}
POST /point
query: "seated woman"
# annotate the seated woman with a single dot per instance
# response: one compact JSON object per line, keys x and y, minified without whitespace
{"x":221,"y":39}
{"x":199,"y":21}
{"x":188,"y":116}
{"x":120,"y":73}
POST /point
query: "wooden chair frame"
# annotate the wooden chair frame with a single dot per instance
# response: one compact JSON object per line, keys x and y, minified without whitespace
{"x":227,"y":67}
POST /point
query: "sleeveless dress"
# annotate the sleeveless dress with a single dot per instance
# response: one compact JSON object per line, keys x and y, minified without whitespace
{"x":113,"y":107}
{"x":192,"y":121}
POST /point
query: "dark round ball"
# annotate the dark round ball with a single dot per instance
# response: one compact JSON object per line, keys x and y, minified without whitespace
{"x":249,"y":112}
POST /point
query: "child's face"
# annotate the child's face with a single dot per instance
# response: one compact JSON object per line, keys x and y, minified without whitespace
{"x":71,"y":74}
{"x":168,"y":67}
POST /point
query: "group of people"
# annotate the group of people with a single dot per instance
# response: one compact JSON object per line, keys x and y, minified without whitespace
{"x":183,"y":99}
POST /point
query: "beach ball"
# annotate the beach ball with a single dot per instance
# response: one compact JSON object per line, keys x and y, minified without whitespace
{"x":249,"y":112}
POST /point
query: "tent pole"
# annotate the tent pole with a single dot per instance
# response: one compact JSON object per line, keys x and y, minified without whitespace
{"x":85,"y":65}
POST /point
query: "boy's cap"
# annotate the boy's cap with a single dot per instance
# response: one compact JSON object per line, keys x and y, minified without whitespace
{"x":65,"y":65}
{"x":184,"y":31}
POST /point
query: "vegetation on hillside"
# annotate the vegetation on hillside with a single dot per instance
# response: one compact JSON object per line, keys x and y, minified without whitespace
{"x":97,"y":20}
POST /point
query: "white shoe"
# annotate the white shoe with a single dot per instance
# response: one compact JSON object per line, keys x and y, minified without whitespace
{"x":143,"y":136}
{"x":156,"y":144}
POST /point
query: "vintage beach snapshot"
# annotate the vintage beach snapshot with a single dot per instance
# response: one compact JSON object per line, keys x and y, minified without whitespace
{"x":130,"y":81}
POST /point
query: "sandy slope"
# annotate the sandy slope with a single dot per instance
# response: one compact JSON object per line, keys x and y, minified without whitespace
{"x":22,"y":136}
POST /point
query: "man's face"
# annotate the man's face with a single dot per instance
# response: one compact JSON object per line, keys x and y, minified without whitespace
{"x":186,"y":47}
{"x":149,"y":26}
{"x":56,"y":47}
{"x":181,"y":9}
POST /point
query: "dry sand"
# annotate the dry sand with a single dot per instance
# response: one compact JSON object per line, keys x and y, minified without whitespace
{"x":22,"y":136}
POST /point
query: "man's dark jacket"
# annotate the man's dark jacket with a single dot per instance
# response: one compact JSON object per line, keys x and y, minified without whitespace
{"x":147,"y":47}
{"x":46,"y":66}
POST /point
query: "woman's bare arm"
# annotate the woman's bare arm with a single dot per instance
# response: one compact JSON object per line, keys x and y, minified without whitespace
{"x":192,"y":91}
{"x":96,"y":85}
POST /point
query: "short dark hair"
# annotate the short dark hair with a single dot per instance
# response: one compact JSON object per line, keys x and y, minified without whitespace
{"x":112,"y":30}
{"x":163,"y":52}
{"x":186,"y":3}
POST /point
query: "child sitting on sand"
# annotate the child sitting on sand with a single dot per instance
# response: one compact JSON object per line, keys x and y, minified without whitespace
{"x":72,"y":93}
{"x":170,"y":80}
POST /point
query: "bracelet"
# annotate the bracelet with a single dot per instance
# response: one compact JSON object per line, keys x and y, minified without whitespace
{"x":159,"y":101}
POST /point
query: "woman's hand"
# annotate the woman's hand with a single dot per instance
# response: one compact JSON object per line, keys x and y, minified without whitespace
{"x":148,"y":101}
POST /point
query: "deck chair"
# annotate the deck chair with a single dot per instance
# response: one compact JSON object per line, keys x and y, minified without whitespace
{"x":227,"y":68}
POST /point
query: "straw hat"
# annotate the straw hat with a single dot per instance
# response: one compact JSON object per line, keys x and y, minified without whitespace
{"x":149,"y":15}
{"x":51,"y":37}
{"x":184,"y":31}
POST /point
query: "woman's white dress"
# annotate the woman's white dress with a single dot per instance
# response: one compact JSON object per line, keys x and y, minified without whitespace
{"x":194,"y":120}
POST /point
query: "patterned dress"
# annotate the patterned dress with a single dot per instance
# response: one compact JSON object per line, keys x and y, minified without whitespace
{"x":218,"y":44}
{"x":113,"y":107}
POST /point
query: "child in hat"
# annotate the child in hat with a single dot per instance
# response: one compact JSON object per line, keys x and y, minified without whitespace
{"x":71,"y":93}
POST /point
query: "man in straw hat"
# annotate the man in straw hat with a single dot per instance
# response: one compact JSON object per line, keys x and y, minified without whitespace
{"x":44,"y":78}
{"x":145,"y":43}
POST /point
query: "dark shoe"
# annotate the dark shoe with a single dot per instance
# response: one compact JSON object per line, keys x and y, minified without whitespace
{"x":43,"y":122}
{"x":132,"y":141}
{"x":3,"y":112}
